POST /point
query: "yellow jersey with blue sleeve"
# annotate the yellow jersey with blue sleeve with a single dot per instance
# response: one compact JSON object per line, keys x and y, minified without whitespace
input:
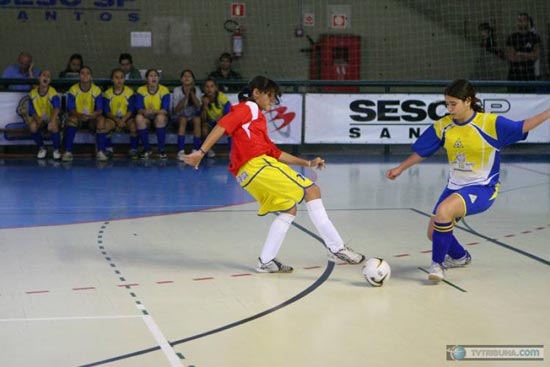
{"x":218,"y":108}
{"x":158,"y":100}
{"x":473,"y":147}
{"x":43,"y":105}
{"x":118,"y":104}
{"x":84,"y":101}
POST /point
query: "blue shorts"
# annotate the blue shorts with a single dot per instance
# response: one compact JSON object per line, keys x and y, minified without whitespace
{"x":476,"y":198}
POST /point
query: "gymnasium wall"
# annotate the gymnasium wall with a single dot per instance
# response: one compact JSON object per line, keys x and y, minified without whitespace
{"x":401,"y":39}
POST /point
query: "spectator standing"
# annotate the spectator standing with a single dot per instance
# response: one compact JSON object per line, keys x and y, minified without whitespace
{"x":522,"y":50}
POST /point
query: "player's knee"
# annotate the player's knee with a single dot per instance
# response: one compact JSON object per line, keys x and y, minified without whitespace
{"x":313,"y":192}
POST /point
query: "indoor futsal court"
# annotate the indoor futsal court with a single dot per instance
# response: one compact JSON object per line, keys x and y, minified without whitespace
{"x":152,"y":264}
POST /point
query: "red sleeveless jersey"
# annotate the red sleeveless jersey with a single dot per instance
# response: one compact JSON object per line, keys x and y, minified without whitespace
{"x":248,"y":129}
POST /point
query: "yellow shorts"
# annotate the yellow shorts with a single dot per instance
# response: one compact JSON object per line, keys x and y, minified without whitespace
{"x":276,"y":186}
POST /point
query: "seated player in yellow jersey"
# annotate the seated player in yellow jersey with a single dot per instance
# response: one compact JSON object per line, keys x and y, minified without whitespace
{"x":44,"y":106}
{"x":215,"y":105}
{"x":118,"y":108}
{"x":152,"y":106}
{"x":85,"y":108}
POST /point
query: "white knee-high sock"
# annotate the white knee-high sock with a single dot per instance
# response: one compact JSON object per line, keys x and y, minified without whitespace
{"x":321,"y":221}
{"x":275,"y":236}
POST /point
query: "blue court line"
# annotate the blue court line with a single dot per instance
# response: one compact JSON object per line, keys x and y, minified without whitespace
{"x":323,"y":278}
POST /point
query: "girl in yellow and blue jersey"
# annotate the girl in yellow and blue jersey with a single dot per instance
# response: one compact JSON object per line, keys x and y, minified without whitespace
{"x":215,"y":105}
{"x":44,"y":106}
{"x":152,"y":105}
{"x":85,"y":108}
{"x":473,"y":140}
{"x":118,"y":107}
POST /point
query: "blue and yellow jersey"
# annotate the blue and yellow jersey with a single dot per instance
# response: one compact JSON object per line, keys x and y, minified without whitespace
{"x":473,"y":147}
{"x":215,"y":110}
{"x":43,"y":105}
{"x":85,"y":102}
{"x":160,"y":100}
{"x":118,"y":104}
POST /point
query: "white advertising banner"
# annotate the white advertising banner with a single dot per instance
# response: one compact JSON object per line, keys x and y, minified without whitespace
{"x":401,"y":118}
{"x":284,"y":122}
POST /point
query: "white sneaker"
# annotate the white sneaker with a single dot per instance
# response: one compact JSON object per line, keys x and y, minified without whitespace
{"x":348,"y":255}
{"x":42,"y":153}
{"x":437,"y":272}
{"x":102,"y":157}
{"x":56,"y":155}
{"x":274,"y":266}
{"x":210,"y":153}
{"x":181,"y":153}
{"x":457,"y":263}
{"x":67,"y":157}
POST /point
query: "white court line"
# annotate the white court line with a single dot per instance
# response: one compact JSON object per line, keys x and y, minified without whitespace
{"x":167,"y":349}
{"x":73,"y":318}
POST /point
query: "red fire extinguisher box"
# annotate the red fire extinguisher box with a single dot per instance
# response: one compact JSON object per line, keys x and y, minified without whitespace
{"x":336,"y":57}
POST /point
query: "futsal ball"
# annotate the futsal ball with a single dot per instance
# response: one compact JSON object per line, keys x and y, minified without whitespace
{"x":376,"y":271}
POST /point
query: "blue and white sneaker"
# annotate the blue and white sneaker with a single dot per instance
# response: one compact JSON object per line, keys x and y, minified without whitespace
{"x":273,"y":266}
{"x":457,"y":263}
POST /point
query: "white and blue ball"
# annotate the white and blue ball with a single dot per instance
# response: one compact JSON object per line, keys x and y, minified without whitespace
{"x":376,"y":271}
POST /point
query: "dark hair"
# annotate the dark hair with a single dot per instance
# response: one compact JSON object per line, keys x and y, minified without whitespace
{"x":74,"y":57}
{"x":244,"y":94}
{"x":86,"y":67}
{"x":216,"y":101}
{"x":486,"y":27}
{"x":190,"y":71}
{"x":226,"y":55}
{"x":125,"y":56}
{"x":264,"y":85}
{"x":463,"y":89}
{"x":531,"y":23}
{"x":151,"y":70}
{"x":116,"y":70}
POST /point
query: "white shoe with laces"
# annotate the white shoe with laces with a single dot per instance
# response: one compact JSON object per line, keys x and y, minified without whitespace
{"x":457,"y":263}
{"x":348,"y":255}
{"x":67,"y":157}
{"x":101,"y":156}
{"x":56,"y":154}
{"x":437,"y":272}
{"x":273,"y":266}
{"x":181,"y":153}
{"x":42,"y":153}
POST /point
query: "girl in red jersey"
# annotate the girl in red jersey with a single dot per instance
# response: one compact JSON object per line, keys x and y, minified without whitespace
{"x":262,"y":170}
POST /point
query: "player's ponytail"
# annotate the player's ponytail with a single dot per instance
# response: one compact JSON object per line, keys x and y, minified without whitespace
{"x":463,"y":89}
{"x":265,"y":85}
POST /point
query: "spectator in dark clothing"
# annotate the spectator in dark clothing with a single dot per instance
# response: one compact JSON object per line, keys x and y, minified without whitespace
{"x":522,"y":50}
{"x":224,"y":73}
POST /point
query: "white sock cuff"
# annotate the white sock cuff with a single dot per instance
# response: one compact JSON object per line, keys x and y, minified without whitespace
{"x":315,"y":204}
{"x":285,"y":217}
